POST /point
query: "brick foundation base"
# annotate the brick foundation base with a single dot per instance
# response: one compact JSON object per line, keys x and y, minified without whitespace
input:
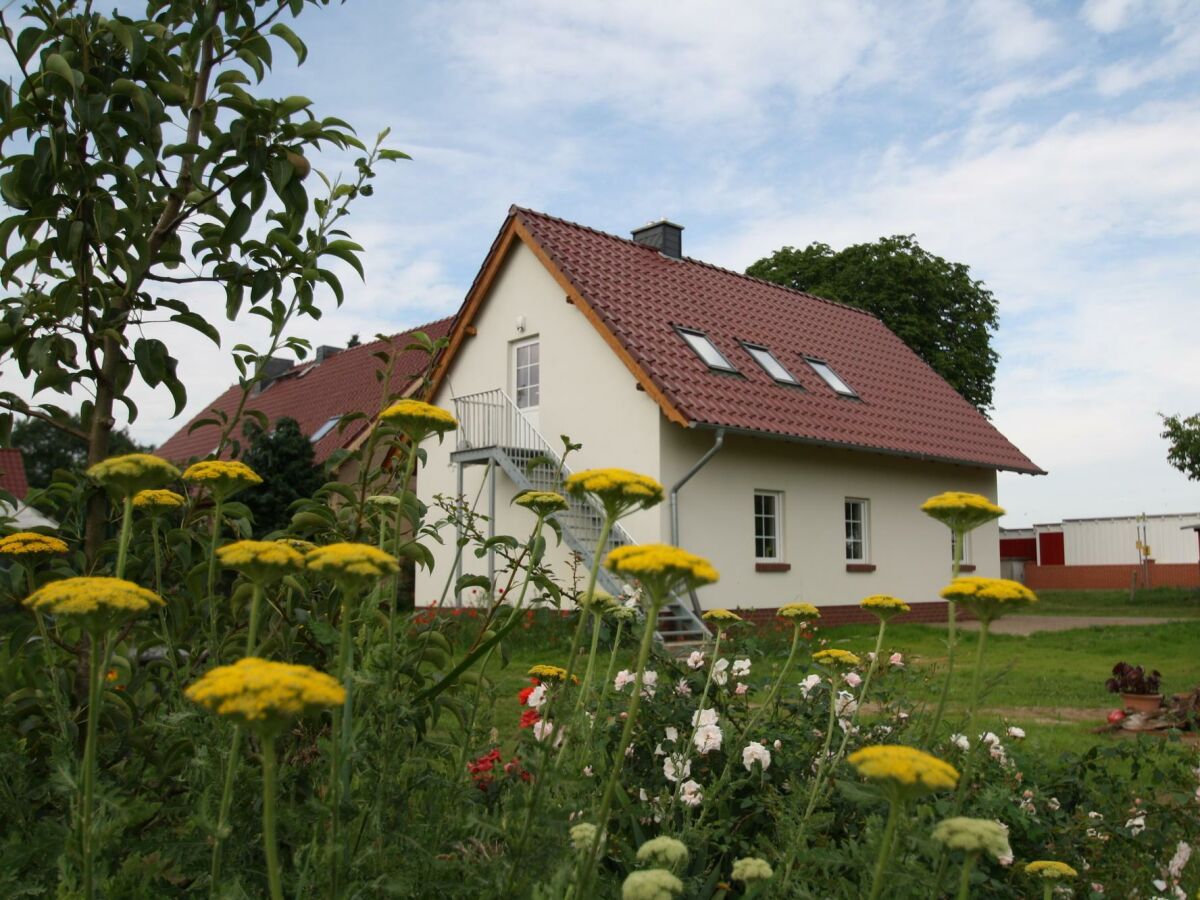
{"x":1118,"y":577}
{"x":933,"y":612}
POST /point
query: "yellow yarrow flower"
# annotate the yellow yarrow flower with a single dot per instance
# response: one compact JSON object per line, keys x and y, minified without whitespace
{"x":352,"y":562}
{"x":884,"y":606}
{"x":31,"y":544}
{"x":297,"y":544}
{"x":989,"y":598}
{"x":798,"y":612}
{"x":418,"y":419}
{"x":661,"y":569}
{"x":261,"y":561}
{"x":223,"y":477}
{"x":836,"y":658}
{"x":651,"y":884}
{"x":751,"y":868}
{"x":722,"y":616}
{"x":133,"y":472}
{"x":618,"y":490}
{"x":961,"y":511}
{"x":265,"y":694}
{"x":543,"y":503}
{"x":905,"y":771}
{"x":1050,"y":869}
{"x":96,"y":600}
{"x":597,"y":601}
{"x":158,"y":501}
{"x":550,"y":673}
{"x":664,"y":851}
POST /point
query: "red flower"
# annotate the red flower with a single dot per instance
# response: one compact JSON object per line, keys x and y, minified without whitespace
{"x":529,"y":718}
{"x":523,"y":694}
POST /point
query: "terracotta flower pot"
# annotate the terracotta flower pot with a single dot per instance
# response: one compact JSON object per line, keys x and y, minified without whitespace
{"x":1142,"y":703}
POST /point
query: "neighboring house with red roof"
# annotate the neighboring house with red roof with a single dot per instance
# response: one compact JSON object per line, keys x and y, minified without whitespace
{"x":14,"y":482}
{"x":796,"y":437}
{"x":317,"y":393}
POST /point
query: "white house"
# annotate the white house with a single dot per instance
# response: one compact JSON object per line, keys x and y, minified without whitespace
{"x":796,"y":437}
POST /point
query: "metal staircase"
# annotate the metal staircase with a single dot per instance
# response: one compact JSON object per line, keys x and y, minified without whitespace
{"x":492,"y":429}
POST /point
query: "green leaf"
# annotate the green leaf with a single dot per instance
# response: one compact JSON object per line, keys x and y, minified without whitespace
{"x":199,"y":323}
{"x":393,"y":154}
{"x":289,"y":37}
{"x":345,"y":251}
{"x":60,"y":67}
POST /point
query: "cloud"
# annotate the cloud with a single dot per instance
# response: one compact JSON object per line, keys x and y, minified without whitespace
{"x":1108,"y":16}
{"x":1013,"y":32}
{"x":1178,"y":55}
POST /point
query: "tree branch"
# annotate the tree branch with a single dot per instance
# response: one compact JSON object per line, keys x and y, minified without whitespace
{"x":26,"y":410}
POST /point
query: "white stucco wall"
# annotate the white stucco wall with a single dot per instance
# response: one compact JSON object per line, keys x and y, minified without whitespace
{"x":911,"y":552}
{"x":587,"y":393}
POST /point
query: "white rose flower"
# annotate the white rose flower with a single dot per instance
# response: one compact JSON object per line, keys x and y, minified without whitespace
{"x":1015,"y":732}
{"x":807,"y":685}
{"x":676,"y":767}
{"x":695,"y":660}
{"x":741,"y":668}
{"x":690,"y":793}
{"x":537,"y":697}
{"x":683,"y":689}
{"x":649,"y":683}
{"x":672,"y":733}
{"x":720,"y":675}
{"x":754,"y":752}
{"x":623,"y":678}
{"x":708,"y":738}
{"x":853,"y":679}
{"x":960,"y":741}
{"x":704,"y":717}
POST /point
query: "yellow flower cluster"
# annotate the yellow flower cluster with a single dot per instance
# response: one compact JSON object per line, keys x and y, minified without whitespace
{"x":1050,"y":868}
{"x":549,"y":673}
{"x":661,"y":568}
{"x":836,"y":657}
{"x":155,"y":501}
{"x":133,"y":472}
{"x":417,"y":418}
{"x":543,"y":503}
{"x":224,"y":477}
{"x":259,"y":692}
{"x":751,"y":868}
{"x":651,"y":884}
{"x":297,"y":544}
{"x":961,"y":511}
{"x":909,"y":771}
{"x":619,"y":490}
{"x":261,"y":560}
{"x":989,"y":598}
{"x":30,"y":543}
{"x":93,"y":597}
{"x":355,"y":562}
{"x":799,"y":612}
{"x":597,"y":601}
{"x":884,"y":606}
{"x":722,"y":616}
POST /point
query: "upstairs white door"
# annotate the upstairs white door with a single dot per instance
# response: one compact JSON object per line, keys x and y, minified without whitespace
{"x":526,"y":382}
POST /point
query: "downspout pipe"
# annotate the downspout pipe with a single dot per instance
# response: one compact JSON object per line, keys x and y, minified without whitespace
{"x":674,"y":497}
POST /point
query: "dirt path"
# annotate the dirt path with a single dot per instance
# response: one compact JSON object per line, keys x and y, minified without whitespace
{"x":1026,"y":625}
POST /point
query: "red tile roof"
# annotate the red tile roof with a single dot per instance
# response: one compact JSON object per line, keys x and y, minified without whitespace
{"x":312,"y":394}
{"x":641,"y":296}
{"x":12,"y":473}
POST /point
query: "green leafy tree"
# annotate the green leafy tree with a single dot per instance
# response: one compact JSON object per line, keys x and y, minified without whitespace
{"x":943,"y":314}
{"x":47,"y":447}
{"x":136,"y":161}
{"x":1183,"y":434}
{"x":284,"y":459}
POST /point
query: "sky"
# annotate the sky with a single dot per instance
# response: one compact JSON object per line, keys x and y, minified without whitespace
{"x":1053,"y":148}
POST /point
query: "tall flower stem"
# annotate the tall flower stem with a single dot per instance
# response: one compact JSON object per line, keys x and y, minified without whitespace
{"x":593,"y":572}
{"x":587,"y":863}
{"x":270,"y":847}
{"x":606,"y":683}
{"x":158,"y":589}
{"x":126,"y":533}
{"x":60,"y":702}
{"x":212,"y":574}
{"x":885,"y":849}
{"x":964,"y":881}
{"x":98,"y":658}
{"x":339,"y":739}
{"x":234,"y":757}
{"x":951,"y":640}
{"x":815,"y":792}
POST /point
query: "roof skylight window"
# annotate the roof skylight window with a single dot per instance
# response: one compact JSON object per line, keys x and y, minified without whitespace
{"x":831,"y":377}
{"x":706,"y":350}
{"x":324,"y":429}
{"x":770,"y":364}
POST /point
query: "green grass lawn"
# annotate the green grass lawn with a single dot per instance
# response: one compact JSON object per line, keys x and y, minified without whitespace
{"x":1041,"y":682}
{"x":1167,"y":602}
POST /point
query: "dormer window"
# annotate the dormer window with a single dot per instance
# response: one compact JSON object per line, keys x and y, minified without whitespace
{"x":770,"y":364}
{"x":324,"y":429}
{"x":706,"y":350}
{"x":830,"y":377}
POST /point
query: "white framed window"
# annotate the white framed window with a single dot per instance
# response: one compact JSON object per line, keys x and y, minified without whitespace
{"x":706,"y":350}
{"x":830,"y":377}
{"x":768,"y":526}
{"x":858,"y":529}
{"x":770,"y":364}
{"x":966,"y":552}
{"x":325,"y":429}
{"x":527,"y":373}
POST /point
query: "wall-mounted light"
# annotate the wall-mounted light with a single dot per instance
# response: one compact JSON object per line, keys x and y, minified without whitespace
{"x":520,"y":324}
